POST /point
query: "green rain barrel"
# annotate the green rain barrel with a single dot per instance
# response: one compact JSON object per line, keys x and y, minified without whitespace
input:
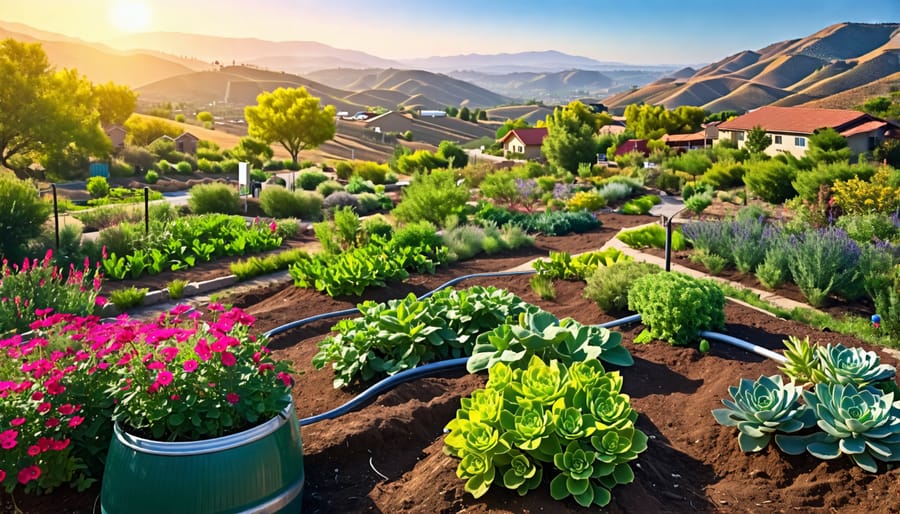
{"x":259,"y":470}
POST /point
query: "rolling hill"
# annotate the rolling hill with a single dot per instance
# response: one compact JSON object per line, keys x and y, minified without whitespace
{"x":807,"y":71}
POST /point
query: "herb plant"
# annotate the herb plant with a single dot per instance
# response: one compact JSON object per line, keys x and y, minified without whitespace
{"x":676,"y":307}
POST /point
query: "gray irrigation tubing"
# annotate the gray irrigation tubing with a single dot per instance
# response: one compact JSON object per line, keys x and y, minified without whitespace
{"x":434,"y":368}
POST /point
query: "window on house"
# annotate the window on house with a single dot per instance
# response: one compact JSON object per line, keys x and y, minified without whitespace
{"x":740,"y":136}
{"x":777,"y":140}
{"x":873,"y":143}
{"x":800,"y":141}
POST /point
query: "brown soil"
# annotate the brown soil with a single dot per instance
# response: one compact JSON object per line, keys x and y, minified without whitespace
{"x":692,"y":463}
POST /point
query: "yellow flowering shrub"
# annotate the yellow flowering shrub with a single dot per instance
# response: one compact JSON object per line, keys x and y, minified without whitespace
{"x":880,"y":194}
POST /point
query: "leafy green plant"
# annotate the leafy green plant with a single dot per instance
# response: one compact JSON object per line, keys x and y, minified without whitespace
{"x":543,"y":286}
{"x":609,"y":285}
{"x":651,"y":236}
{"x":214,"y":198}
{"x":309,"y":180}
{"x":22,"y":213}
{"x":98,"y":187}
{"x":676,"y":307}
{"x":640,"y":205}
{"x":713,"y":263}
{"x":128,"y":298}
{"x":542,"y":334}
{"x":432,"y":197}
{"x":176,"y":288}
{"x":564,"y":266}
{"x":551,"y":223}
{"x":571,"y":420}
{"x":278,"y":202}
{"x":585,"y":201}
{"x":760,"y":409}
{"x":256,"y":266}
{"x":860,"y":423}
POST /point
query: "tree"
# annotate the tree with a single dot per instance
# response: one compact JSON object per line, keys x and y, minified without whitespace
{"x":205,"y":117}
{"x":45,"y":114}
{"x":115,"y":103}
{"x":757,"y":140}
{"x":653,"y":121}
{"x":252,"y":151}
{"x":465,"y":114}
{"x":432,"y":197}
{"x":292,"y":118}
{"x":828,"y":146}
{"x":570,"y":136}
{"x":453,"y":153}
{"x":510,"y":125}
{"x":142,"y":130}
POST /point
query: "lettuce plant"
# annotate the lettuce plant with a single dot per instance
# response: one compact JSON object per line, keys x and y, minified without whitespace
{"x":759,"y":409}
{"x":860,"y":423}
{"x":542,"y":334}
{"x":676,"y":307}
{"x":564,"y":266}
{"x":570,"y":422}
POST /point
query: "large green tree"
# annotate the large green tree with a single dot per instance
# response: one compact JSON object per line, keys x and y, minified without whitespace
{"x":653,"y":121}
{"x":143,"y":130}
{"x":43,"y":113}
{"x":292,"y":118}
{"x":828,"y":146}
{"x":115,"y":102}
{"x":570,"y":136}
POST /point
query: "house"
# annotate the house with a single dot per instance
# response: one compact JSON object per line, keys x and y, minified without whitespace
{"x":790,"y":128}
{"x":391,"y":121}
{"x":524,"y":141}
{"x":116,"y":134}
{"x":187,"y":143}
{"x":703,"y":138}
{"x":616,"y":127}
{"x":633,"y":145}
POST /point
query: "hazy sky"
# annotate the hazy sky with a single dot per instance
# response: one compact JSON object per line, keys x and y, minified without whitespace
{"x":633,"y":31}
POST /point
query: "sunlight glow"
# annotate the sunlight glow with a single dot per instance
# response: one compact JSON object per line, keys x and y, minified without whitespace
{"x":130,"y":15}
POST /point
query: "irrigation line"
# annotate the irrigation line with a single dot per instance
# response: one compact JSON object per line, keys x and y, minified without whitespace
{"x":435,"y":368}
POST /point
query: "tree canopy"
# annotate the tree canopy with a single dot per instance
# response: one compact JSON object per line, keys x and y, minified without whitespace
{"x":510,"y":125}
{"x":653,"y":121}
{"x":570,"y":136}
{"x":292,"y":118}
{"x":115,"y":103}
{"x":757,"y":140}
{"x":828,"y":146}
{"x":46,"y":115}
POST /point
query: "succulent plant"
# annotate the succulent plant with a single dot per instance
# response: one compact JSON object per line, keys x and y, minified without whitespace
{"x":761,"y":408}
{"x":860,"y":423}
{"x":842,"y":365}
{"x":801,"y":359}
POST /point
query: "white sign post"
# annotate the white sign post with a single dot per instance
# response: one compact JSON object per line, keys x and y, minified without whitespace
{"x":244,"y":182}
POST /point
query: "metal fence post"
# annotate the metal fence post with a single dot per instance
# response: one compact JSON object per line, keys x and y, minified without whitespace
{"x":146,"y":210}
{"x":55,"y":214}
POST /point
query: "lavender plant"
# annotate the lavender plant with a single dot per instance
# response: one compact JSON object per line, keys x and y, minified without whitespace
{"x":823,"y":261}
{"x":713,"y":237}
{"x":750,"y":240}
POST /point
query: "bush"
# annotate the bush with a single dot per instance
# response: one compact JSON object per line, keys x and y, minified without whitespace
{"x":771,"y":180}
{"x":343,"y":170}
{"x":340,"y":200}
{"x":416,"y":234}
{"x":359,"y":185}
{"x":807,"y":183}
{"x":278,"y":202}
{"x":22,"y":213}
{"x":723,"y":175}
{"x":698,"y":202}
{"x":207,"y":198}
{"x":328,"y":187}
{"x":122,"y":239}
{"x":98,"y":187}
{"x":676,"y":307}
{"x":377,"y":225}
{"x":651,"y":236}
{"x":608,"y":286}
{"x":309,"y":180}
{"x":865,"y":228}
{"x":368,"y":203}
{"x":641,"y":205}
{"x":773,"y":271}
{"x":121,"y":168}
{"x":138,"y":156}
{"x":184,"y":168}
{"x":258,"y":176}
{"x":586,"y":201}
{"x":371,"y":171}
{"x":822,"y":262}
{"x":669,"y":182}
{"x":128,"y":298}
{"x":151,"y":177}
{"x":432,"y":197}
{"x":858,"y":196}
{"x":615,"y":191}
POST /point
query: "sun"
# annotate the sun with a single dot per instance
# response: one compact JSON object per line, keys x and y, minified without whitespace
{"x":130,"y":15}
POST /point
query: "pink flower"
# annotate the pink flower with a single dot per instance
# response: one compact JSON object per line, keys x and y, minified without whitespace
{"x":100,"y":301}
{"x":228,"y":359}
{"x":175,"y":397}
{"x":273,"y":227}
{"x":17,"y":422}
{"x":156,"y":365}
{"x":37,"y":396}
{"x":202,"y":350}
{"x":266,"y":366}
{"x":44,"y":407}
{"x":52,"y":422}
{"x":59,"y":445}
{"x":216,"y":306}
{"x":190,"y":365}
{"x":75,"y":421}
{"x":232,"y":398}
{"x":2,"y":475}
{"x":55,"y":388}
{"x":28,"y":474}
{"x":219,"y":345}
{"x":169,"y":353}
{"x":285,"y":379}
{"x":164,"y":378}
{"x":34,"y":450}
{"x":66,"y":409}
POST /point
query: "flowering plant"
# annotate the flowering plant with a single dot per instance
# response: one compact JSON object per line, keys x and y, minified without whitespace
{"x":180,"y":377}
{"x":37,"y":284}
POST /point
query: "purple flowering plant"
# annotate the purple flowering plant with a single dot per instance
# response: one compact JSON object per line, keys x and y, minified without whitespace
{"x":185,"y":376}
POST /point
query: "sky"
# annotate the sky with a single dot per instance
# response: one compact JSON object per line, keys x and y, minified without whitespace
{"x":630,"y":31}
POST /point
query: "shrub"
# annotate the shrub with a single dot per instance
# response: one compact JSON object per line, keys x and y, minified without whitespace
{"x":822,"y":261}
{"x":773,"y":271}
{"x":207,"y":198}
{"x":723,"y":175}
{"x":713,"y":263}
{"x":865,"y":228}
{"x":98,"y":187}
{"x":464,"y":241}
{"x":371,"y":171}
{"x":184,"y":168}
{"x":138,"y":156}
{"x":526,"y":420}
{"x":609,"y":285}
{"x":309,"y":180}
{"x":343,"y":170}
{"x":328,"y":187}
{"x":278,"y":202}
{"x":22,"y":213}
{"x":175,"y":288}
{"x":416,"y":234}
{"x":712,"y":237}
{"x":432,"y":197}
{"x":698,"y":202}
{"x":641,"y":205}
{"x":120,"y":168}
{"x":359,"y":185}
{"x":651,"y":236}
{"x":377,"y":225}
{"x":585,"y":201}
{"x":669,"y":182}
{"x":771,"y":180}
{"x":123,"y":238}
{"x":676,"y":307}
{"x":500,"y":187}
{"x":151,"y":177}
{"x":542,"y":285}
{"x":808,"y":183}
{"x":880,"y":195}
{"x":615,"y":191}
{"x":339,"y":200}
{"x":368,"y":203}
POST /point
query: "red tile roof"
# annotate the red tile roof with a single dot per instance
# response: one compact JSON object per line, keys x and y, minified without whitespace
{"x":633,"y":145}
{"x":868,"y":126}
{"x":685,"y":138}
{"x":528,"y":136}
{"x":797,"y":120}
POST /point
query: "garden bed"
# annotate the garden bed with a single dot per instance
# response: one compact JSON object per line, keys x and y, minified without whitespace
{"x":692,"y":463}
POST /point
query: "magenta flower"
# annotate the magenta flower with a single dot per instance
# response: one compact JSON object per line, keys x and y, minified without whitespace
{"x":285,"y":379}
{"x":34,"y":450}
{"x":164,"y":378}
{"x":75,"y":421}
{"x":2,"y":475}
{"x":28,"y":474}
{"x":169,"y":353}
{"x":52,"y":422}
{"x":232,"y":398}
{"x":228,"y":359}
{"x":156,"y":365}
{"x":190,"y":365}
{"x":66,"y":409}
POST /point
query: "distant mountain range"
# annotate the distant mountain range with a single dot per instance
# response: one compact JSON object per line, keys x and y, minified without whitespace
{"x":822,"y":69}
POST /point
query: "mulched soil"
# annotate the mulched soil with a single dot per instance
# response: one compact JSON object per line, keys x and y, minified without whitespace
{"x":692,"y":464}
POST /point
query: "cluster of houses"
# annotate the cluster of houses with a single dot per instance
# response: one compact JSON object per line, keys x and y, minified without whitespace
{"x":789,"y":128}
{"x":184,"y":143}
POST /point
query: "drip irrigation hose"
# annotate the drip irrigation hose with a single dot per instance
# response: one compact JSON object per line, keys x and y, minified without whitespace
{"x":434,"y":368}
